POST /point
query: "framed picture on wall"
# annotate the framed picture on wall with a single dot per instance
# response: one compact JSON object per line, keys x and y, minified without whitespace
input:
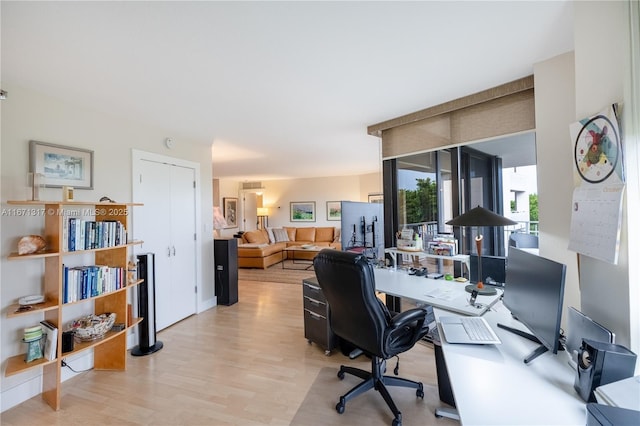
{"x":61,"y":165}
{"x":231,"y":211}
{"x":376,"y":198}
{"x":334,"y":210}
{"x":303,"y":211}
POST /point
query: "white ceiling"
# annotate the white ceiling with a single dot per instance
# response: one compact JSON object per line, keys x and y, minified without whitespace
{"x":281,"y":89}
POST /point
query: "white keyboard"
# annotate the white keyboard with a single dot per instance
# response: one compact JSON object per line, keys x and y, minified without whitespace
{"x":474,"y":330}
{"x":477,"y":329}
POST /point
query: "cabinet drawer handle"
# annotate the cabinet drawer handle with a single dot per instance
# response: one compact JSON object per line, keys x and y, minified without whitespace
{"x":314,"y":315}
{"x":312,"y":287}
{"x":314,"y":301}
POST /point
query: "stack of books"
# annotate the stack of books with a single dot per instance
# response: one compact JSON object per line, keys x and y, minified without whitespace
{"x":443,"y":245}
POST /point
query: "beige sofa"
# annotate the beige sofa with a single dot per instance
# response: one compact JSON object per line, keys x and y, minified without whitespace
{"x":261,"y":249}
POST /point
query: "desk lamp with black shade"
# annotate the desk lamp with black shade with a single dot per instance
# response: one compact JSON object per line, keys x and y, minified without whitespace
{"x":479,"y":217}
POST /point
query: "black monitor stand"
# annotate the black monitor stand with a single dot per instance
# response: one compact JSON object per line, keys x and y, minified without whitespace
{"x":538,"y":351}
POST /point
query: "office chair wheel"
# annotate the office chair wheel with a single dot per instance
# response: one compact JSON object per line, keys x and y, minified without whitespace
{"x":340,"y":406}
{"x":420,"y":391}
{"x":340,"y":374}
{"x":396,"y":422}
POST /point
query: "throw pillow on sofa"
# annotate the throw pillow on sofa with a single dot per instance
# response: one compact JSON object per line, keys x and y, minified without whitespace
{"x":272,"y":238}
{"x":280,"y":235}
{"x":256,"y":237}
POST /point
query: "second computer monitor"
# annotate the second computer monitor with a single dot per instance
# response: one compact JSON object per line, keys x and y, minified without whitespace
{"x":581,"y":327}
{"x":492,"y":267}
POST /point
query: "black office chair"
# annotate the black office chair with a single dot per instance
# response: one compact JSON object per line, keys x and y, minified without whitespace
{"x":522,"y":240}
{"x":359,"y":317}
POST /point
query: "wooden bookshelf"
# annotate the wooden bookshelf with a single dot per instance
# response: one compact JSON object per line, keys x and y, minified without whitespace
{"x":110,"y":351}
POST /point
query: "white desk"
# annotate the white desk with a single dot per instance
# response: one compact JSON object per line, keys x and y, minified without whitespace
{"x":440,"y":293}
{"x":491,"y":384}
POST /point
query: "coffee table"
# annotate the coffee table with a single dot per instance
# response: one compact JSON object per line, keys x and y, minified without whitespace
{"x":297,"y":249}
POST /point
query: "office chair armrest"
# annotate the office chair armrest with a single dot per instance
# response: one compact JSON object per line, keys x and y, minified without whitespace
{"x":404,"y":330}
{"x":408,"y":317}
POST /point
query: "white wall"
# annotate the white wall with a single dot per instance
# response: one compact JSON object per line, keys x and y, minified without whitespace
{"x":28,"y":115}
{"x":602,"y":78}
{"x":555,"y":106}
{"x":570,"y":87}
{"x":370,"y":184}
{"x":279,"y":193}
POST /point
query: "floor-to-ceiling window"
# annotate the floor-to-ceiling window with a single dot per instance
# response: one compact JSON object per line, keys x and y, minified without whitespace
{"x":430,"y":188}
{"x":417,"y":191}
{"x":481,"y":183}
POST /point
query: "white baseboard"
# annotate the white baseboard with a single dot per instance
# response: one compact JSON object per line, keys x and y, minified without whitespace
{"x":207,"y":304}
{"x":32,"y":384}
{"x":21,"y":392}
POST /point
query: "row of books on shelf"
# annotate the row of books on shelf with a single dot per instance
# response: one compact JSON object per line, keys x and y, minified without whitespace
{"x":83,"y":282}
{"x":81,"y":234}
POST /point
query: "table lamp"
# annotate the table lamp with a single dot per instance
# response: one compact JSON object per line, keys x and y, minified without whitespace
{"x":262,"y":214}
{"x":219,"y":221}
{"x":480,"y":216}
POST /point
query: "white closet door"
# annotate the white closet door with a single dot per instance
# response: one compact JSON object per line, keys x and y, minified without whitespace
{"x":152,"y":225}
{"x":166,"y":224}
{"x":183,"y":243}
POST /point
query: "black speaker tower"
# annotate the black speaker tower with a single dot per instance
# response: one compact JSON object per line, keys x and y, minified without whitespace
{"x":226,"y":263}
{"x":147,"y":307}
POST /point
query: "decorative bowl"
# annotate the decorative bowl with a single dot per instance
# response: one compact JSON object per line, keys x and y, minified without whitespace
{"x":307,"y":246}
{"x":92,"y":327}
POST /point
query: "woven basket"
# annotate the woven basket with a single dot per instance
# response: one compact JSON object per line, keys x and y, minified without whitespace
{"x":92,"y":327}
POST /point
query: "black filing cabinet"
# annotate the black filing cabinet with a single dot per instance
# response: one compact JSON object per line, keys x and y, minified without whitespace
{"x":316,"y":316}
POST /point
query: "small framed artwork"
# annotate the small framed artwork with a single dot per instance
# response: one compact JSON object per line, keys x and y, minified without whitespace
{"x":303,"y":211}
{"x":61,"y":165}
{"x":376,"y":198}
{"x":231,"y":211}
{"x":334,"y":210}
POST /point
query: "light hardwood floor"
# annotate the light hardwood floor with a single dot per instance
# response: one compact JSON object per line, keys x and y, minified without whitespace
{"x":245,"y":364}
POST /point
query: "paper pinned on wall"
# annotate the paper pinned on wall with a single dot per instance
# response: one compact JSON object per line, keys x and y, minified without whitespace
{"x":595,"y":222}
{"x":596,"y":216}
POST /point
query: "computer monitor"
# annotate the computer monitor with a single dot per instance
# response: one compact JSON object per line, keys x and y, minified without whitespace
{"x":534,"y":292}
{"x":493,"y":269}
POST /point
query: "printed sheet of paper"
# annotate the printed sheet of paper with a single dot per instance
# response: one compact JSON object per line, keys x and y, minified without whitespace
{"x":595,"y":221}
